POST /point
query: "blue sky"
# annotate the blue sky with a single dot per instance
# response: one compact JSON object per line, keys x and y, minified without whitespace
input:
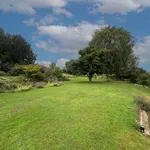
{"x":57,"y":29}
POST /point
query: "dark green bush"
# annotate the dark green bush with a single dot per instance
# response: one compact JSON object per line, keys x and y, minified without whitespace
{"x":139,"y":76}
{"x":144,"y":79}
{"x":57,"y":72}
{"x":143,"y":102}
{"x":52,"y":73}
{"x":38,"y":76}
{"x":2,"y":73}
{"x":20,"y":80}
{"x":6,"y":85}
{"x":17,"y":70}
{"x":33,"y":72}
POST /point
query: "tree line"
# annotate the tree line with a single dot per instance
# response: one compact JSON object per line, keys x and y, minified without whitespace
{"x":110,"y":52}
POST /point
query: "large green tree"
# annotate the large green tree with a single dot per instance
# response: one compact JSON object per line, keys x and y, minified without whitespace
{"x":120,"y":43}
{"x":14,"y":49}
{"x":109,"y":52}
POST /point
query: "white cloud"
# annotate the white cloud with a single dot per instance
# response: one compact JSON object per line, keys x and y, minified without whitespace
{"x":61,"y":62}
{"x":145,"y":3}
{"x":142,"y":49}
{"x":115,"y":6}
{"x":105,"y":6}
{"x":62,"y":11}
{"x":29,"y":6}
{"x":67,"y":39}
{"x":30,"y":22}
{"x":49,"y":45}
{"x":47,"y":20}
{"x":44,"y":63}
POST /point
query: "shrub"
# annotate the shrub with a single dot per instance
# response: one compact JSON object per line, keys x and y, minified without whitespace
{"x":23,"y":88}
{"x":17,"y":70}
{"x":143,"y":102}
{"x":52,"y":73}
{"x":2,"y":73}
{"x":144,"y":79}
{"x":57,"y":72}
{"x":40,"y":84}
{"x":52,"y":84}
{"x":33,"y":72}
{"x":138,"y":75}
{"x":64,"y":78}
{"x":6,"y":85}
{"x":20,"y":80}
{"x":37,"y":76}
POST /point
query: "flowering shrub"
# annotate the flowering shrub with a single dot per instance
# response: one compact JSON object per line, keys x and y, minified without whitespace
{"x":22,"y":88}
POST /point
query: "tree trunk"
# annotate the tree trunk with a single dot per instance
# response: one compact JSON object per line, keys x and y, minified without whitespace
{"x":107,"y":76}
{"x":90,"y":78}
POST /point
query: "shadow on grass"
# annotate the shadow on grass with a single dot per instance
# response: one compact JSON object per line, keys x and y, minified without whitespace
{"x":95,"y":82}
{"x":101,"y":81}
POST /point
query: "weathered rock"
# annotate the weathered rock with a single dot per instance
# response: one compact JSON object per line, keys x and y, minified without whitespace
{"x":143,"y":120}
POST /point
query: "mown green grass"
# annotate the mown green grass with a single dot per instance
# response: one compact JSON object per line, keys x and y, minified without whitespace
{"x":77,"y":116}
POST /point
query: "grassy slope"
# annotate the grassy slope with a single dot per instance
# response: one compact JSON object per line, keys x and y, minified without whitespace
{"x":78,"y":115}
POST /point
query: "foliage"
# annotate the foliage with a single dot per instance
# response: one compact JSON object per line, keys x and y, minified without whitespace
{"x":52,"y":73}
{"x":109,"y":52}
{"x":23,"y":88}
{"x":64,"y":78}
{"x":38,"y":76}
{"x":17,"y":70}
{"x":72,"y":68}
{"x":6,"y":85}
{"x":2,"y":73}
{"x":33,"y":72}
{"x":39,"y":73}
{"x":144,"y":79}
{"x":51,"y":84}
{"x":14,"y":84}
{"x":140,"y":76}
{"x":40,"y":84}
{"x":57,"y":72}
{"x":135,"y":73}
{"x":14,"y":49}
{"x":20,"y":79}
{"x":143,"y":102}
{"x":120,"y":44}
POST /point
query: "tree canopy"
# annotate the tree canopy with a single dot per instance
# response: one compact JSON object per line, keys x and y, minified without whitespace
{"x":14,"y":49}
{"x":109,"y":52}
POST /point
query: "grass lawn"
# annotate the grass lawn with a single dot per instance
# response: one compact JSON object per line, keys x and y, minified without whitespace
{"x":77,"y":116}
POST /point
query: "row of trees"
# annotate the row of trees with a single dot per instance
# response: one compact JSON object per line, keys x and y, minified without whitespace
{"x":110,"y":52}
{"x":14,"y":49}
